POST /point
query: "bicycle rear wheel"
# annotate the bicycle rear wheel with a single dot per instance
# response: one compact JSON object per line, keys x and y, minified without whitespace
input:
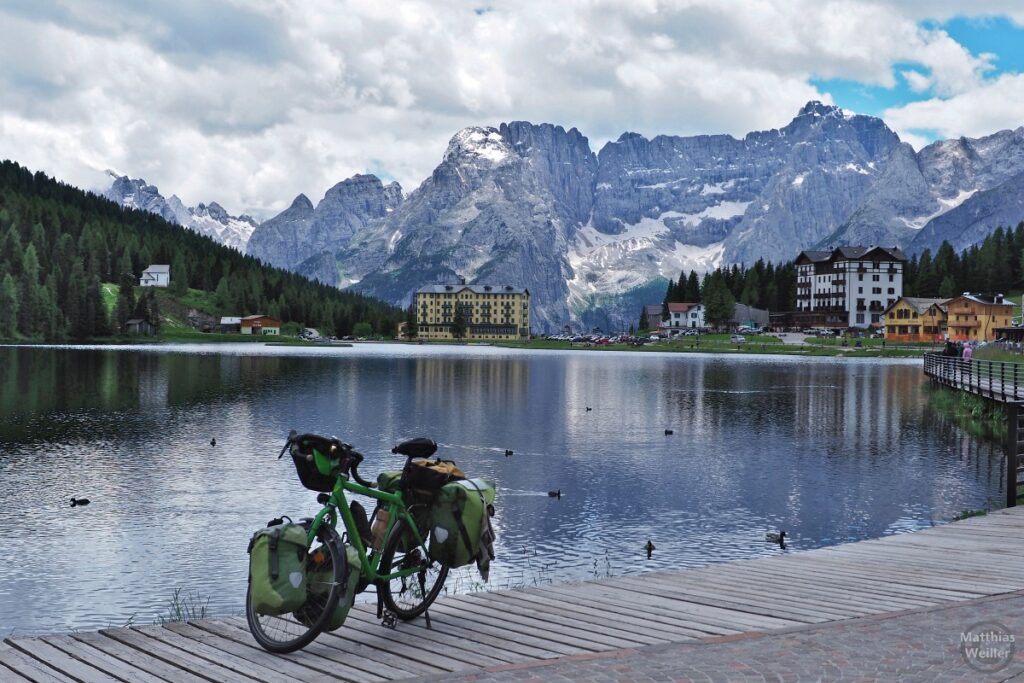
{"x":290,"y":632}
{"x":409,"y":596}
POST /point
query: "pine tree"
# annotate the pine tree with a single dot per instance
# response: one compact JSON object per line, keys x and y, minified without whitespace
{"x":693,"y":288}
{"x":928,"y":280}
{"x":643,"y":325}
{"x":179,"y":278}
{"x":719,"y":303}
{"x":125,"y":301}
{"x":8,"y":307}
{"x":80,"y":317}
{"x":947,"y":290}
{"x":411,"y":329}
{"x":458,"y":323}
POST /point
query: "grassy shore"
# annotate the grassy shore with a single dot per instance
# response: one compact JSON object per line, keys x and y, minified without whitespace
{"x":719,"y":343}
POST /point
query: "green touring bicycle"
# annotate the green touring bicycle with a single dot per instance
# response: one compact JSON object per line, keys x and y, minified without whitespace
{"x":304,"y":575}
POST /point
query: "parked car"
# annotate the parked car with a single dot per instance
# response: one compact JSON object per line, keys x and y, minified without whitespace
{"x":737,"y":339}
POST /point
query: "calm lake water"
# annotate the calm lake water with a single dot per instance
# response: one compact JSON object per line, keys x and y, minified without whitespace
{"x":829,"y":450}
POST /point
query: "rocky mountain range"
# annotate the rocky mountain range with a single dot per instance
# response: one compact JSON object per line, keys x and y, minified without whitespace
{"x":594,"y":235}
{"x":210,"y":219}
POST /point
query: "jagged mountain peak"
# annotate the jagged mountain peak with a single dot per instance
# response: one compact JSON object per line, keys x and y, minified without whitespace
{"x":210,"y":219}
{"x":478,"y":144}
{"x":818,"y":108}
{"x":301,"y":202}
{"x":303,"y":231}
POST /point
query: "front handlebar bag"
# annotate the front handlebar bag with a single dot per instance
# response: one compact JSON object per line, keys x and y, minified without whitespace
{"x":317,"y":470}
{"x":277,"y":569}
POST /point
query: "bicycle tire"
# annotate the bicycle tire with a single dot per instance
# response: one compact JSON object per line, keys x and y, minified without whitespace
{"x":407,"y":605}
{"x":287,"y":633}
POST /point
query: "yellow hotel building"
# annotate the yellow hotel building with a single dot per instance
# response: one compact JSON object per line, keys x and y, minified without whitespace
{"x":974,"y":317}
{"x":916,"y":319}
{"x":490,"y":312}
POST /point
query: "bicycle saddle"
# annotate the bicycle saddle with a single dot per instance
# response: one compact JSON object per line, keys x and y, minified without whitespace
{"x":420,"y":447}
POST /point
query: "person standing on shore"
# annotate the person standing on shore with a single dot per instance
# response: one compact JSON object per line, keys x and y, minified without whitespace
{"x":968,"y":353}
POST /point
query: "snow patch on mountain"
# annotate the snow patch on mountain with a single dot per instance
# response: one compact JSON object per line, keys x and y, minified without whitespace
{"x":945,"y":204}
{"x":604,"y":263}
{"x":210,"y":219}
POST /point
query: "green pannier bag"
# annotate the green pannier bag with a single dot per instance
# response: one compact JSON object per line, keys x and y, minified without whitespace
{"x":418,"y":505}
{"x":277,"y":568}
{"x":389,"y":481}
{"x":320,"y":576}
{"x":460,"y":524}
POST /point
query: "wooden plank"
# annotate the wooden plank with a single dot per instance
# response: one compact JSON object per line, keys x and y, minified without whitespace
{"x":63,"y":662}
{"x":836,"y":598}
{"x":358,"y":659}
{"x":239,"y":665}
{"x":764,"y":605}
{"x":283,"y":665}
{"x":101,"y":660}
{"x":513,"y":604}
{"x":446,"y":612}
{"x":173,"y":655}
{"x":622,"y":601}
{"x":892,"y":595}
{"x":751,"y":581}
{"x":431,"y":660}
{"x":25,"y":668}
{"x":551,"y":628}
{"x":698,"y":612}
{"x":471,"y":651}
{"x":446,"y":627}
{"x":137,"y":659}
{"x":322,"y":666}
{"x":580,"y":609}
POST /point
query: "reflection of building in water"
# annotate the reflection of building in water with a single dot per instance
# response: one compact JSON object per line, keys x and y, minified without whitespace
{"x":153,"y":382}
{"x":474,"y":382}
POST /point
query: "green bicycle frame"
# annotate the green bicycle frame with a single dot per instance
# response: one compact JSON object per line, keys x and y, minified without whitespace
{"x":396,"y":508}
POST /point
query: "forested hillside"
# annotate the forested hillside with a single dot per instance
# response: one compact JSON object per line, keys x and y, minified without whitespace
{"x":994,"y":267}
{"x":58,"y":244}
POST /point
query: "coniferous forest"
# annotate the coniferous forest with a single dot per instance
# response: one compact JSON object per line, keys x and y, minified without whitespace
{"x":59,"y":244}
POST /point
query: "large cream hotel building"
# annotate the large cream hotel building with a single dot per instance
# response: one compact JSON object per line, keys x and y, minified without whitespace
{"x":490,"y":312}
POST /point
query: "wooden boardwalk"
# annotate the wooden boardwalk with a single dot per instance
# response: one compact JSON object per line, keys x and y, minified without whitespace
{"x":977,"y":557}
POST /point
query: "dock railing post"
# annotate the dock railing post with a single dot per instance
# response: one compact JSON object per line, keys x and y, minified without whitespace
{"x":1012,"y":417}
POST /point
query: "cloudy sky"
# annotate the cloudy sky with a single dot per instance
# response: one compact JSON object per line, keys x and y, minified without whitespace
{"x":249,"y":103}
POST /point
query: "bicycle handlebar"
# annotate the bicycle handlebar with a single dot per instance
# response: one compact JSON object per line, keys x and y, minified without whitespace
{"x":352,"y":457}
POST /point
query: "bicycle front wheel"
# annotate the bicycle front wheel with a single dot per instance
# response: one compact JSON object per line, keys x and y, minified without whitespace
{"x":409,"y":596}
{"x":283,"y":633}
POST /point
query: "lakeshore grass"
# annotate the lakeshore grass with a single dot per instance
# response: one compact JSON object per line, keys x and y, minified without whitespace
{"x":719,"y":343}
{"x":185,"y":607}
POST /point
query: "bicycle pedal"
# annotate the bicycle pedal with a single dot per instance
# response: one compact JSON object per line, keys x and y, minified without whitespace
{"x":389,"y":620}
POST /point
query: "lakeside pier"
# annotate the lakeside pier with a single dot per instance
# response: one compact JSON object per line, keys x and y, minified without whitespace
{"x":494,"y":631}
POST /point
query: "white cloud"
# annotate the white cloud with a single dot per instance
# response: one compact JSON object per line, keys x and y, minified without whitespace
{"x":992,"y":106}
{"x":251,"y":104}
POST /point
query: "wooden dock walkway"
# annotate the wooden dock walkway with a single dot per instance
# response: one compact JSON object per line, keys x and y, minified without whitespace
{"x":977,"y":557}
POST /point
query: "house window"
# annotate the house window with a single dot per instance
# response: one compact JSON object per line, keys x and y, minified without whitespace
{"x":860,"y":317}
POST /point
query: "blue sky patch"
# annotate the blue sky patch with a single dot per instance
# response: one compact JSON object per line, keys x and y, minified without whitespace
{"x":995,"y":35}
